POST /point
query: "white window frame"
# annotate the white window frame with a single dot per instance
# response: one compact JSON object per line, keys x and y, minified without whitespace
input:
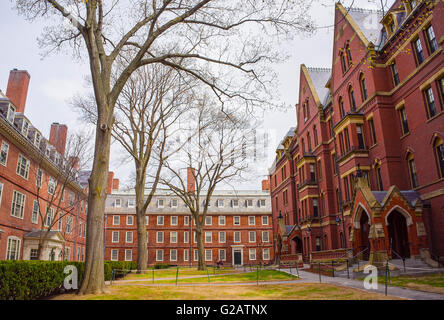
{"x":268,"y":236}
{"x":157,"y":254}
{"x":18,"y":246}
{"x":116,"y":220}
{"x":249,"y":221}
{"x":224,"y":236}
{"x":52,"y":185}
{"x":234,"y":221}
{"x":208,"y":218}
{"x":211,"y":255}
{"x":171,"y":254}
{"x":173,"y":236}
{"x":14,"y":204}
{"x":186,"y":237}
{"x":20,"y":159}
{"x":260,"y":203}
{"x":118,"y":203}
{"x":116,"y":251}
{"x":186,"y":220}
{"x":224,"y":255}
{"x":69,"y":224}
{"x":252,"y":254}
{"x":129,"y":233}
{"x":266,"y":219}
{"x":39,"y":178}
{"x":220,"y":203}
{"x":35,"y":212}
{"x":126,"y":255}
{"x":186,"y":255}
{"x":10,"y":116}
{"x":147,"y":220}
{"x":235,"y":205}
{"x":250,"y":240}
{"x":160,"y":205}
{"x":113,"y":238}
{"x":266,"y":256}
{"x":131,"y":203}
{"x":160,"y":218}
{"x":174,"y":205}
{"x":195,"y":255}
{"x":208,"y":237}
{"x":5,"y":163}
{"x":222,"y":220}
{"x":240,"y":237}
{"x":128,"y":222}
{"x":158,"y":233}
{"x":171,"y":220}
{"x":247,"y":203}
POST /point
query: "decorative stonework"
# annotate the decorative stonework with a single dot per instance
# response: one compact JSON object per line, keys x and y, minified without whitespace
{"x":420,"y":229}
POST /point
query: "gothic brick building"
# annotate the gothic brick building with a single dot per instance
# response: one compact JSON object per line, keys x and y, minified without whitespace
{"x":364,"y":168}
{"x":36,"y":181}
{"x":237,"y":229}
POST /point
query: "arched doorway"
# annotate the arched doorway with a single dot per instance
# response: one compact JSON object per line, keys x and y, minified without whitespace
{"x":298,"y":244}
{"x":398,"y":235}
{"x":365,"y":230}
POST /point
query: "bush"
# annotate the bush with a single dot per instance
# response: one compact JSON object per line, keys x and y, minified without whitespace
{"x":162,"y":266}
{"x":26,"y":280}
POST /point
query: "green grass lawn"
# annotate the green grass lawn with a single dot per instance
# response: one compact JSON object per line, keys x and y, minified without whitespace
{"x":171,"y":273}
{"x":294,"y":291}
{"x":264,"y":275}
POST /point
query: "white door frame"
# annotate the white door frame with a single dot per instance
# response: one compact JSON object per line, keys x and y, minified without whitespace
{"x":237,"y":248}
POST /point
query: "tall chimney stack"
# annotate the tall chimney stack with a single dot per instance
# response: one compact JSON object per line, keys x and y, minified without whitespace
{"x":116,"y":183}
{"x":110,"y":182}
{"x":191,"y":181}
{"x":57,"y":136}
{"x":265,"y":185}
{"x":17,"y":90}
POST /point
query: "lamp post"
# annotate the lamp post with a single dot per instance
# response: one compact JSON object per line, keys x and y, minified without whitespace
{"x":280,"y":238}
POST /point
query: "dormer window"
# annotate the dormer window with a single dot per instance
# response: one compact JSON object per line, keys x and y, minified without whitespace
{"x":25,"y":128}
{"x":160,"y":203}
{"x":37,"y":139}
{"x":11,"y":114}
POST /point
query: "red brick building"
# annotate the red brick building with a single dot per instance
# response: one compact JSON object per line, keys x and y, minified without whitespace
{"x":364,"y":169}
{"x":33,"y":178}
{"x":237,"y":230}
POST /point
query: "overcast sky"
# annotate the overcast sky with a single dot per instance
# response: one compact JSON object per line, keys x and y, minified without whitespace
{"x":55,"y":79}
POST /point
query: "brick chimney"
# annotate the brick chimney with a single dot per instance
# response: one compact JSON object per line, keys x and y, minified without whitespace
{"x":116,"y":184}
{"x":57,"y":136}
{"x":110,"y":182}
{"x":17,"y":90}
{"x":265,"y":185}
{"x":191,"y":182}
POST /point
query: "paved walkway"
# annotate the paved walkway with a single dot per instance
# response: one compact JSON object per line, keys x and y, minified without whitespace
{"x":391,"y":291}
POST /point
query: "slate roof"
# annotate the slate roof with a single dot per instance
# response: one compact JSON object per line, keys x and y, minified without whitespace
{"x":288,"y":229}
{"x":369,"y":23}
{"x":320,"y":77}
{"x":410,"y":195}
{"x":36,"y":234}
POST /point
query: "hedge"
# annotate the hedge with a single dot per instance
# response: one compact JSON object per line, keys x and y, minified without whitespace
{"x":26,"y":280}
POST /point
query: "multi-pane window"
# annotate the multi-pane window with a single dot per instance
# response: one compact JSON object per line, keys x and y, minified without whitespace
{"x":222,"y":255}
{"x":404,"y":122}
{"x":252,"y":254}
{"x":173,"y":237}
{"x":128,"y":255}
{"x":11,"y":114}
{"x":147,"y":220}
{"x":266,"y":254}
{"x":352,"y":99}
{"x":116,"y":220}
{"x":35,"y":212}
{"x":186,"y":253}
{"x":186,"y":221}
{"x":237,"y":236}
{"x":13,"y":249}
{"x":114,"y":255}
{"x":173,"y":220}
{"x":441,"y":87}
{"x":4,"y":153}
{"x":220,"y":203}
{"x":265,"y":236}
{"x":131,"y":203}
{"x":251,"y":221}
{"x":39,"y":177}
{"x":222,"y":237}
{"x":115,"y":237}
{"x":379,"y":178}
{"x":208,"y":221}
{"x":52,"y":184}
{"x":159,"y":236}
{"x":173,"y":255}
{"x":221,"y":220}
{"x":159,"y":255}
{"x":431,"y":105}
{"x":249,"y":203}
{"x":23,"y":166}
{"x":262,"y":203}
{"x":439,"y":152}
{"x":433,"y":45}
{"x":186,"y":237}
{"x":208,"y":237}
{"x":360,"y":135}
{"x":160,"y":203}
{"x":18,"y":204}
{"x":208,"y":255}
{"x":195,"y":255}
{"x":252,"y":236}
{"x":371,"y":126}
{"x":236,"y":221}
{"x":129,"y":220}
{"x":315,"y":207}
{"x":395,"y":74}
{"x":129,"y":237}
{"x":363,"y":88}
{"x":419,"y":51}
{"x":235,"y":203}
{"x":264,"y":220}
{"x":69,"y":224}
{"x":117,"y":203}
{"x":160,"y":220}
{"x":174,"y":203}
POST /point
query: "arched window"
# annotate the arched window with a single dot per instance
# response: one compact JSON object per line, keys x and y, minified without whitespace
{"x":343,"y":63}
{"x":352,"y":98}
{"x":439,"y":153}
{"x":412,"y":170}
{"x":363,"y":87}
{"x":379,"y":177}
{"x":349,"y":56}
{"x":341,"y":107}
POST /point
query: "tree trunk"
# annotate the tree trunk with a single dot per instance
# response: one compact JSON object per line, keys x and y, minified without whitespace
{"x":142,"y":247}
{"x":93,"y":279}
{"x":40,"y":249}
{"x":200,"y":248}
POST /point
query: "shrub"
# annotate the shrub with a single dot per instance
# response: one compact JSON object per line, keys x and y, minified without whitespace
{"x":162,"y":266}
{"x":26,"y":280}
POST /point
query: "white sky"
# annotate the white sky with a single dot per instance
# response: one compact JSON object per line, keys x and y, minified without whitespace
{"x":55,"y":79}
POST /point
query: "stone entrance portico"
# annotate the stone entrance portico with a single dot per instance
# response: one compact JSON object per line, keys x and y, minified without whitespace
{"x":52,"y":247}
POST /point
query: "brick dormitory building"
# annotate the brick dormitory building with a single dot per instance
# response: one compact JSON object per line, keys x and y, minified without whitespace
{"x":32,"y":176}
{"x":364,"y":168}
{"x":237,"y":229}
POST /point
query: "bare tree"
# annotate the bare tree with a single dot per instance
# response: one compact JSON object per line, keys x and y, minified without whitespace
{"x":215,"y":154}
{"x":63,"y":193}
{"x":215,"y":36}
{"x":147,"y":126}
